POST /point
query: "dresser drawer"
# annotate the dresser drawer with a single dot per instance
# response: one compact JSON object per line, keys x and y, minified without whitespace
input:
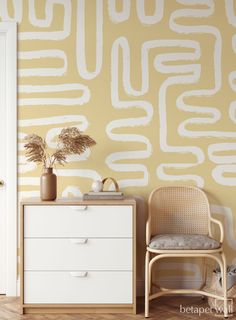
{"x":78,"y":221}
{"x":78,"y":253}
{"x":78,"y":287}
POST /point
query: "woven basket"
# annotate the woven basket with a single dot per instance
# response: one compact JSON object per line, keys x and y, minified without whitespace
{"x":215,"y":287}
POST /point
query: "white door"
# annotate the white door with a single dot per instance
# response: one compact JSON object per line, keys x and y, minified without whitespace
{"x":2,"y":165}
{"x":8,"y":159}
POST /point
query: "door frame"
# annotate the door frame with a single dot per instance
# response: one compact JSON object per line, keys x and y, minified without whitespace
{"x":9,"y":31}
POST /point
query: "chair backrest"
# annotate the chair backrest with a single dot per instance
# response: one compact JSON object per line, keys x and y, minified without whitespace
{"x":178,"y":209}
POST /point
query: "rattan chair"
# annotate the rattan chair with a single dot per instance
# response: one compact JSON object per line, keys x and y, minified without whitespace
{"x":179,"y":225}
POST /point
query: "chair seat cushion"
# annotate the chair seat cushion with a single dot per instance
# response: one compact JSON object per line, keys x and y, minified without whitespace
{"x":183,"y":242}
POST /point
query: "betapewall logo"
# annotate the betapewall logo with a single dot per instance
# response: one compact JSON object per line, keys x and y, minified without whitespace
{"x":214,"y":310}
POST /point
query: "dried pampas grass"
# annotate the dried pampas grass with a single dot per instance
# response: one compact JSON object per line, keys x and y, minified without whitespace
{"x":70,"y":141}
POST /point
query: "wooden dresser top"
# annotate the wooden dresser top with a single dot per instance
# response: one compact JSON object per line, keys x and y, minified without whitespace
{"x":79,"y":201}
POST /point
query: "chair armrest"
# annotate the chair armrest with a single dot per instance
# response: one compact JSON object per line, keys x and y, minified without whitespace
{"x":221,"y":228}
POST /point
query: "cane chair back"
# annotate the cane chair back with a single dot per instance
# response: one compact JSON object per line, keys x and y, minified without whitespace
{"x":179,"y":210}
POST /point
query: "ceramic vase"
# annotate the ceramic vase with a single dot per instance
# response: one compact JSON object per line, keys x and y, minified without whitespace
{"x":48,"y":185}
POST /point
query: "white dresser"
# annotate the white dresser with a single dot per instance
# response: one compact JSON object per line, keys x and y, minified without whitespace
{"x":78,"y":256}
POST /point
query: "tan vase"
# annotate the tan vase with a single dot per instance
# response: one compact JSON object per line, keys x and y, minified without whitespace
{"x":48,"y":185}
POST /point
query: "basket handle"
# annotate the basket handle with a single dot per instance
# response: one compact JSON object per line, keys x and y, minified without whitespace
{"x":114,"y":182}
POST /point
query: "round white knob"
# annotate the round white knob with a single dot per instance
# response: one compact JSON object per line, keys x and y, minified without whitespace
{"x":97,"y":186}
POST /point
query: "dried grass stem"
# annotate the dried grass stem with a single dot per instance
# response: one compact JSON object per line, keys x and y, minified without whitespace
{"x":70,"y":141}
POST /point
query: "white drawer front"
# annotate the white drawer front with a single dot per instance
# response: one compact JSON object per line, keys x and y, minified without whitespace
{"x":78,"y":221}
{"x":78,"y":253}
{"x":78,"y":287}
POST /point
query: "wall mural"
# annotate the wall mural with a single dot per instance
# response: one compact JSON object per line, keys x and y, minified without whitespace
{"x":153,"y":82}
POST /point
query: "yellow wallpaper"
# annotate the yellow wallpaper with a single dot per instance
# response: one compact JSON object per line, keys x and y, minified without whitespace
{"x":152,"y":81}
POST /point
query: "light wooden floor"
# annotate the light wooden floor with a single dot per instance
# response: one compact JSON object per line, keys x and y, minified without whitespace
{"x":165,"y":308}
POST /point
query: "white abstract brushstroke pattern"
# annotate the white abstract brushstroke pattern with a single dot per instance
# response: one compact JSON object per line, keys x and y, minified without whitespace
{"x":227,"y":163}
{"x":42,"y":72}
{"x":28,"y":194}
{"x":227,"y":214}
{"x":153,"y":19}
{"x":80,"y":40}
{"x":25,"y":166}
{"x":55,"y":119}
{"x":129,"y":122}
{"x":29,"y":181}
{"x":46,"y":23}
{"x":66,"y":87}
{"x":187,"y":74}
{"x":232,"y":78}
{"x":84,"y":173}
{"x":213,"y":112}
{"x":71,"y":190}
{"x":122,"y":15}
{"x":18,"y":10}
{"x":229,"y":8}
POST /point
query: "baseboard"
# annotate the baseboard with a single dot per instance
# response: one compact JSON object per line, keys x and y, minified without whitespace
{"x":182,"y":283}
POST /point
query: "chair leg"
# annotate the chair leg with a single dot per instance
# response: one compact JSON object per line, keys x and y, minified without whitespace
{"x":204,"y":271}
{"x":204,"y":275}
{"x":223,"y":268}
{"x":147,"y":285}
{"x":224,"y":285}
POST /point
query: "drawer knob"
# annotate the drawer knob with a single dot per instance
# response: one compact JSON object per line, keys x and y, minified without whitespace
{"x":78,"y":208}
{"x":79,"y":274}
{"x":78,"y":241}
